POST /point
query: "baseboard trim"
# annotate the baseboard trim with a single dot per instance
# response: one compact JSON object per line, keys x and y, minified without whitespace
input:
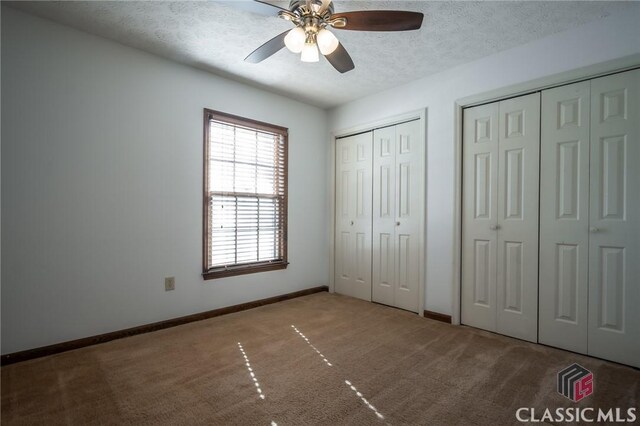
{"x":437,"y":316}
{"x":147,"y":328}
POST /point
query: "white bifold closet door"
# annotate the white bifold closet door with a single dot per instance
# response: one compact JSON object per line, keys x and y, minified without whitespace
{"x":353,"y":216}
{"x":564,"y":216}
{"x":480,"y":216}
{"x":614,"y":219}
{"x":501,"y":146}
{"x":398,"y":204}
{"x":590,"y":227}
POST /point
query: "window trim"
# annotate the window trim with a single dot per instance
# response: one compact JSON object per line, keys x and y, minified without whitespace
{"x":254,"y":267}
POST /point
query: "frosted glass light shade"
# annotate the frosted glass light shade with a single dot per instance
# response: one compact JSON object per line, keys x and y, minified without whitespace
{"x":295,"y":39}
{"x":310,"y":53}
{"x":327,"y":42}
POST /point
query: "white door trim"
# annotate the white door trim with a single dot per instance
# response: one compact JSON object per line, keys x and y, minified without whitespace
{"x":331,"y":214}
{"x":560,"y":79}
{"x":421,"y":115}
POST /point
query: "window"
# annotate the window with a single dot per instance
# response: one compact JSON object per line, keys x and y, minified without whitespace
{"x":245,"y":196}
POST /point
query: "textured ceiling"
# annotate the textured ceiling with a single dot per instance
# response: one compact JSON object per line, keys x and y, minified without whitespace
{"x":216,"y":37}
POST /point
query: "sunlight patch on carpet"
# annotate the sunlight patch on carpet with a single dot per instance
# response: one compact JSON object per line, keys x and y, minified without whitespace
{"x":312,"y":347}
{"x":367,"y":403}
{"x":251,"y":373}
{"x":353,"y":388}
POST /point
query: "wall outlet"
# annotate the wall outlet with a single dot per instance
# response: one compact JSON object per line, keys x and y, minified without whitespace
{"x":169,"y":283}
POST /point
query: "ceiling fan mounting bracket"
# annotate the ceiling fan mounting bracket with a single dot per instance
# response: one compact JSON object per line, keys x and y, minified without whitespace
{"x":337,"y":22}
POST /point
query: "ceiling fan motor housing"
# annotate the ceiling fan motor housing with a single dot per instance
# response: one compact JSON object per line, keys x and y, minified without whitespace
{"x":296,"y":6}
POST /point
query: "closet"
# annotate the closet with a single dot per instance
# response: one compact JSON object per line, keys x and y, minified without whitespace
{"x":590,"y":218}
{"x":500,"y":216}
{"x":572,"y":278}
{"x":398,"y":199}
{"x":380,"y":215}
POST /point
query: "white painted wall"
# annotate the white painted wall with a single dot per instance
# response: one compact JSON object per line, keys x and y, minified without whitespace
{"x":605,"y":40}
{"x":102,"y":186}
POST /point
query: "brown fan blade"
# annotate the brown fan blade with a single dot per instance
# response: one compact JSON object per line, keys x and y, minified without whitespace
{"x":380,"y":20}
{"x":257,"y":6}
{"x":267,"y":49}
{"x":340,"y":59}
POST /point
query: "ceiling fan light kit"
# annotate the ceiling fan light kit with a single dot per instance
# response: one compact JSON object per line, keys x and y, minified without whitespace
{"x":311,"y":19}
{"x":327,"y":42}
{"x":309,"y":52}
{"x":295,"y":40}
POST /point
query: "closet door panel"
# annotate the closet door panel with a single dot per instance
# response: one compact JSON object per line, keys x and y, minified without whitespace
{"x":479,"y":215}
{"x":517,"y":213}
{"x":345,"y":158}
{"x":564,"y":216}
{"x":384,"y":215}
{"x":363,"y":215}
{"x":409,"y":179}
{"x":614,"y":238}
{"x":353,"y":216}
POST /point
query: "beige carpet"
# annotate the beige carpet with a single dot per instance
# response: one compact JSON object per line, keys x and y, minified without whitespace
{"x":404,"y":369}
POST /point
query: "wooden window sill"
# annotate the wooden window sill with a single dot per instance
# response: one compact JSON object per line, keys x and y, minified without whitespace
{"x":242,"y":270}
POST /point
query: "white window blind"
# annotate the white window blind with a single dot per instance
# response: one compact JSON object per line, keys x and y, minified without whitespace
{"x":246,"y":199}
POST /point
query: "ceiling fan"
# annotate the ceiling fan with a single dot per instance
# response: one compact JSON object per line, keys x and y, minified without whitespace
{"x":312,"y":18}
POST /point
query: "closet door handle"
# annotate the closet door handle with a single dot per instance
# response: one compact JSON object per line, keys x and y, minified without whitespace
{"x":593,"y":229}
{"x":397,"y":223}
{"x":494,"y":227}
{"x":351,"y":223}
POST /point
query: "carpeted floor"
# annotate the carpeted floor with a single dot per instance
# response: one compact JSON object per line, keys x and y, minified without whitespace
{"x":345,"y":362}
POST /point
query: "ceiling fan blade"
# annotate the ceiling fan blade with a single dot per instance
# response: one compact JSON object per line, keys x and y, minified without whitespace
{"x":267,"y":49}
{"x":380,"y":20}
{"x":254,"y":6}
{"x":340,"y":59}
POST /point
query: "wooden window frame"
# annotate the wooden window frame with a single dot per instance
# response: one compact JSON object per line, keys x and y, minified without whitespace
{"x":247,"y":268}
